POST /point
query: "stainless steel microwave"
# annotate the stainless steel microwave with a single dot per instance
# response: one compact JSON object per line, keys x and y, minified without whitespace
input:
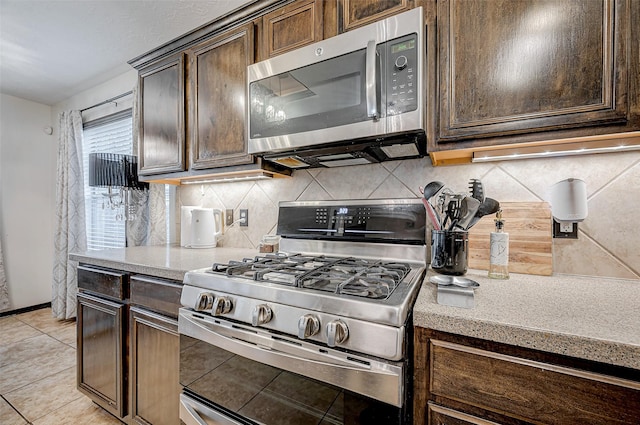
{"x":355,"y":98}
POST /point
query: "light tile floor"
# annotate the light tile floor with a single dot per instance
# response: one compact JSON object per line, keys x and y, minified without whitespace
{"x":38,"y":373}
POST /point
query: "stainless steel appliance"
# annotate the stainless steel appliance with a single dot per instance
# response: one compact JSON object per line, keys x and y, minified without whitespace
{"x":356,"y":98}
{"x":319,"y":333}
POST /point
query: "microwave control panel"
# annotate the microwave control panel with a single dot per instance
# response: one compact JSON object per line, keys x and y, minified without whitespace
{"x":402,"y":75}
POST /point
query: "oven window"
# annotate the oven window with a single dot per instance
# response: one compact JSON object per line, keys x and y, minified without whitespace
{"x":249,"y":391}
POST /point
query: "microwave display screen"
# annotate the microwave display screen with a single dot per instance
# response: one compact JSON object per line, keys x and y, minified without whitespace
{"x":405,"y":45}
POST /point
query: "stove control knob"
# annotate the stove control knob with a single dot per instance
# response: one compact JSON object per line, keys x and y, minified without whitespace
{"x":337,"y":332}
{"x":222,"y":305}
{"x":308,"y":325}
{"x":261,"y":314}
{"x":204,"y":302}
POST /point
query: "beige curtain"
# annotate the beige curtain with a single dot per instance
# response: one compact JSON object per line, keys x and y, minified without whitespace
{"x":149,"y":227}
{"x":70,"y":232}
{"x":4,"y":292}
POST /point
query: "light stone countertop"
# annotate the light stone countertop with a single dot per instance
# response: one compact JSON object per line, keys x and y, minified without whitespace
{"x":590,"y":318}
{"x":164,"y":261}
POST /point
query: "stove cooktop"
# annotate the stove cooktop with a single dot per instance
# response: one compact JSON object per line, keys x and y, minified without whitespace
{"x":349,"y":276}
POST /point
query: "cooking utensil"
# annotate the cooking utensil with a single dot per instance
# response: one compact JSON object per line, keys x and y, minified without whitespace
{"x":470,"y":208}
{"x":461,"y":211}
{"x":431,"y":189}
{"x":462,"y":282}
{"x":450,"y":214}
{"x":476,"y":189}
{"x":489,"y":206}
{"x":441,"y":201}
{"x":428,"y":192}
{"x":433,"y":218}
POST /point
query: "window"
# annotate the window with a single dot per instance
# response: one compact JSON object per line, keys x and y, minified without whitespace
{"x":105,"y":226}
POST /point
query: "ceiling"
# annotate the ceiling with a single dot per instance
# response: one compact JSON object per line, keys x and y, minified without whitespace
{"x":53,"y":49}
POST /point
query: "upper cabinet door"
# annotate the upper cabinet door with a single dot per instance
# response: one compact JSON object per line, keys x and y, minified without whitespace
{"x":509,"y":67}
{"x":356,"y":13}
{"x":292,"y":26}
{"x":218,"y":82}
{"x":162,"y":113}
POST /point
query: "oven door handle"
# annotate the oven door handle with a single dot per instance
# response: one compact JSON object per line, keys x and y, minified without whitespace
{"x":380,"y":380}
{"x":239,"y":341}
{"x":190,"y":416}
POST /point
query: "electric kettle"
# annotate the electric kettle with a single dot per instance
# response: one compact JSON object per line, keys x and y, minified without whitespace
{"x":200,"y":227}
{"x":185,"y":225}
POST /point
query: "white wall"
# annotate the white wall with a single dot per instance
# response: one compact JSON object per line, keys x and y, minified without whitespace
{"x":27,"y":199}
{"x":27,"y":183}
{"x":112,"y":88}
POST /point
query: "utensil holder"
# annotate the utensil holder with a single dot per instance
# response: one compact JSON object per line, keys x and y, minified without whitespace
{"x":449,"y":252}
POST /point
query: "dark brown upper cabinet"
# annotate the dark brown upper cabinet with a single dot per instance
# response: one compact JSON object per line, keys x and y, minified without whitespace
{"x":507,"y":68}
{"x":292,"y":26}
{"x":356,"y":13}
{"x":218,"y":84}
{"x":162,"y":116}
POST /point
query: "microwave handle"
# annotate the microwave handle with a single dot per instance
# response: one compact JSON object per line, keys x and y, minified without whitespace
{"x":371,"y":81}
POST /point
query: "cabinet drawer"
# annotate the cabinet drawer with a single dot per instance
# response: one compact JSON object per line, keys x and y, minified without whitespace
{"x":158,"y":295}
{"x":110,"y":283}
{"x":530,"y":390}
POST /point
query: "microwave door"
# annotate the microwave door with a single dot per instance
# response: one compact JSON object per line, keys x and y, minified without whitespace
{"x":336,"y":99}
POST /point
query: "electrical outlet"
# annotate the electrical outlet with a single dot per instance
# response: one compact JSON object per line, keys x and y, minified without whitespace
{"x":566,"y":227}
{"x":244,"y":218}
{"x":565,"y":230}
{"x":228,"y":215}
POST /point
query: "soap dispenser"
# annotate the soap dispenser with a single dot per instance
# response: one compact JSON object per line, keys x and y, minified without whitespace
{"x":499,"y":256}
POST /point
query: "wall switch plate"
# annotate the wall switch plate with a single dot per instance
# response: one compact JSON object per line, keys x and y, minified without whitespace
{"x":565,"y":230}
{"x":244,"y":218}
{"x":228,"y":216}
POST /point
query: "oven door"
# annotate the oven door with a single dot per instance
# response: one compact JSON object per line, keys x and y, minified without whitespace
{"x":232,"y":373}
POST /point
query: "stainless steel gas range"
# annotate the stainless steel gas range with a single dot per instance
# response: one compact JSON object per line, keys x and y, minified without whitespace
{"x":317,"y":333}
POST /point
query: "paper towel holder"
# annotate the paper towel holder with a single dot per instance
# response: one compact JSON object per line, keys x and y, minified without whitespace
{"x":568,"y":207}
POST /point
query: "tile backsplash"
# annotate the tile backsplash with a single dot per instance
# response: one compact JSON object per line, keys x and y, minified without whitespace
{"x":608,"y":243}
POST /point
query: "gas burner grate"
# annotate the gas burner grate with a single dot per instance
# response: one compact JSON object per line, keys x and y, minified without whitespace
{"x":349,"y":276}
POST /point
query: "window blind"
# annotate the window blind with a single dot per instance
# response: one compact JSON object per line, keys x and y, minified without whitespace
{"x":105,"y":227}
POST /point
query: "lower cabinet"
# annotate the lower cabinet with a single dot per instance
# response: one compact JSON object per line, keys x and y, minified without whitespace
{"x":460,"y":380}
{"x":101,"y":352}
{"x":128,"y":345}
{"x":154,"y":351}
{"x":154,"y":374}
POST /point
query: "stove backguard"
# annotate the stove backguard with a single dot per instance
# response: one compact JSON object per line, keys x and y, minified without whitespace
{"x":397,"y":221}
